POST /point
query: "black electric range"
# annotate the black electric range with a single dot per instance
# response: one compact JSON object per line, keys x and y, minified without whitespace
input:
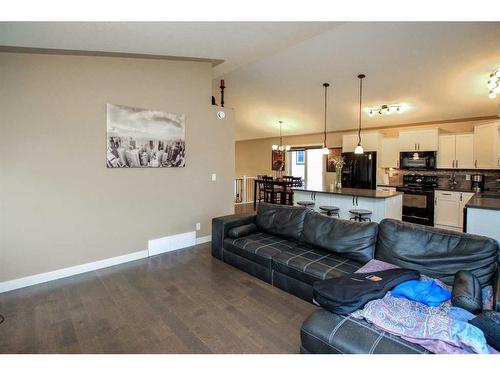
{"x":418,"y":198}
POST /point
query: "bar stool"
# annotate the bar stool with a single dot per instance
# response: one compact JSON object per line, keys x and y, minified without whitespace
{"x":307,"y":204}
{"x":360,"y":214}
{"x":330,"y":210}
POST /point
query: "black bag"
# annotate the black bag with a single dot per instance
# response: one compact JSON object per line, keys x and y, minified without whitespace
{"x":346,"y":294}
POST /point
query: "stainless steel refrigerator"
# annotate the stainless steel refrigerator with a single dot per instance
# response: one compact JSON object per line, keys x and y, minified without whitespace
{"x":360,"y":170}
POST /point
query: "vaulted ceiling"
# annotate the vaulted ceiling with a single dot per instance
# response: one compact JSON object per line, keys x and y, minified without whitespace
{"x":438,"y":70}
{"x":275,"y":70}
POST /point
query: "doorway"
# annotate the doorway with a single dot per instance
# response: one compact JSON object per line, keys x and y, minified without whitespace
{"x":308,"y":165}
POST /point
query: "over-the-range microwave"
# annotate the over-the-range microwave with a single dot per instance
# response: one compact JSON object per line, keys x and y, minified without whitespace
{"x":417,"y":160}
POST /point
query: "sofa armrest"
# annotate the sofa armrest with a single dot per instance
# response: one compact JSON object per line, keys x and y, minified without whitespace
{"x":220,"y":227}
{"x":496,"y":289}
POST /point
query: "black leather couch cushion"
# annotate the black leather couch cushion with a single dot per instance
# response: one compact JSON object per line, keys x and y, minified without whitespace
{"x":242,"y":230}
{"x":324,"y":332}
{"x":258,"y":247}
{"x":221,"y":225}
{"x":466,"y":292}
{"x":308,"y":264}
{"x":349,"y":239}
{"x":436,"y":252}
{"x":284,"y":221}
{"x":489,"y":323}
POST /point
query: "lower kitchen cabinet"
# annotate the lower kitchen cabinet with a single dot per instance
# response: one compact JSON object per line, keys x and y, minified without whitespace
{"x":449,"y":208}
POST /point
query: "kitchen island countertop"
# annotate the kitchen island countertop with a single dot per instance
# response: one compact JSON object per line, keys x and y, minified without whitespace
{"x":365,"y":193}
{"x":485,"y":200}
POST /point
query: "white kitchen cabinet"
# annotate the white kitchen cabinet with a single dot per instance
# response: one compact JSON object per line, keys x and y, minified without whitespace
{"x":389,"y":153}
{"x":446,"y":152}
{"x":456,"y":151}
{"x":464,"y":198}
{"x":487,"y":146}
{"x":419,"y":140}
{"x":369,"y":141}
{"x":448,"y":209}
{"x":464,"y":151}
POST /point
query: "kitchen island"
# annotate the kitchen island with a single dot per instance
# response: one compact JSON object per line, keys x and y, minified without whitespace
{"x":483,"y":215}
{"x":383,"y":204}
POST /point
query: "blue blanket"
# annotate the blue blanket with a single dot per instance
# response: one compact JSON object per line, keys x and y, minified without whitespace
{"x":428,"y":292}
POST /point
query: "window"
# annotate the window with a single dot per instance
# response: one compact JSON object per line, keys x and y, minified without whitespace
{"x":299,"y":157}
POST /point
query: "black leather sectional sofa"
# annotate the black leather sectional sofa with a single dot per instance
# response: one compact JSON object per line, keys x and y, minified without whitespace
{"x":292,"y":247}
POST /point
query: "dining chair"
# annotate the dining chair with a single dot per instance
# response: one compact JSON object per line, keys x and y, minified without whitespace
{"x":270,"y":191}
{"x":297,"y":181}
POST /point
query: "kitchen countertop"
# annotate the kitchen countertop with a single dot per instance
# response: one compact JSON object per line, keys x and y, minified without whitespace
{"x":460,"y":190}
{"x":365,"y":193}
{"x":390,"y":185}
{"x":444,"y":188}
{"x":487,"y":200}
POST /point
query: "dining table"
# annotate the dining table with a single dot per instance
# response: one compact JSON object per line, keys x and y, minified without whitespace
{"x":284,"y":184}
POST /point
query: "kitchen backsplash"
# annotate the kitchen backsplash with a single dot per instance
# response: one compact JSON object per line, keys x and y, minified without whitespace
{"x":491,"y":177}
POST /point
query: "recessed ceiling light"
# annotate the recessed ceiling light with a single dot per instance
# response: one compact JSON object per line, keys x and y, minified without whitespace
{"x":221,"y":114}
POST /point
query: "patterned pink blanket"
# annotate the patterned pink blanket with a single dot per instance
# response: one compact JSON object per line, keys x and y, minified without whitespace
{"x":438,"y":329}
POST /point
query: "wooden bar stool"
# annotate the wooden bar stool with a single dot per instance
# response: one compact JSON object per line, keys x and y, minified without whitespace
{"x":360,"y":214}
{"x":330,"y":210}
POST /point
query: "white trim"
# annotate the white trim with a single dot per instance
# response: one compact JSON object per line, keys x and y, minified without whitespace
{"x":171,"y":243}
{"x":155,"y":247}
{"x":70,"y":271}
{"x":203,"y":239}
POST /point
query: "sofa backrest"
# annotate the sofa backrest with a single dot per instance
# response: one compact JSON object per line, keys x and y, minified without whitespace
{"x":284,"y":221}
{"x":436,"y":252}
{"x":349,"y":239}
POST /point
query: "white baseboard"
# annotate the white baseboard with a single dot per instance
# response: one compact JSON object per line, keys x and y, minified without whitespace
{"x":171,"y":243}
{"x":70,"y":271}
{"x":203,"y":239}
{"x":155,"y":247}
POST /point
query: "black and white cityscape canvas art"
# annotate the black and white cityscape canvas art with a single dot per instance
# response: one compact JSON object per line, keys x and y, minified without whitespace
{"x":141,"y":138}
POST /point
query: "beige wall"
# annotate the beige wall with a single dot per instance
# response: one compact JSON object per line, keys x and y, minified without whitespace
{"x":59,"y":204}
{"x":253,"y":157}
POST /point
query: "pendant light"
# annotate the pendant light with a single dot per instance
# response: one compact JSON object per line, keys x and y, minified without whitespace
{"x":281,"y":147}
{"x":359,"y":148}
{"x":325,"y":147}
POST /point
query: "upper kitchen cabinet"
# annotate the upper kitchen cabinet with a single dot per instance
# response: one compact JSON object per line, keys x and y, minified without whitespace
{"x":389,"y":153}
{"x":456,"y":151}
{"x":370,"y":142}
{"x":419,"y":140}
{"x":446,"y":153}
{"x":464,"y":151}
{"x":487,"y":146}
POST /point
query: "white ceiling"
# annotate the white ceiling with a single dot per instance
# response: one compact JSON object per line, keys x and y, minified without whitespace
{"x":236,"y":43}
{"x":439,"y":70}
{"x":275,"y":70}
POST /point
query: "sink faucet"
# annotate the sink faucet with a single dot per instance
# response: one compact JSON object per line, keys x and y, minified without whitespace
{"x":453,"y":181}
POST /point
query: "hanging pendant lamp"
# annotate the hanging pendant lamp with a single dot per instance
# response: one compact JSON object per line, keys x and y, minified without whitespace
{"x":359,"y":148}
{"x":281,"y":147}
{"x":325,"y":147}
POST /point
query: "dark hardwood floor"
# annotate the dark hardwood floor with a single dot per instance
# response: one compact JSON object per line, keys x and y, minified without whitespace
{"x":179,"y":302}
{"x":245,"y":208}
